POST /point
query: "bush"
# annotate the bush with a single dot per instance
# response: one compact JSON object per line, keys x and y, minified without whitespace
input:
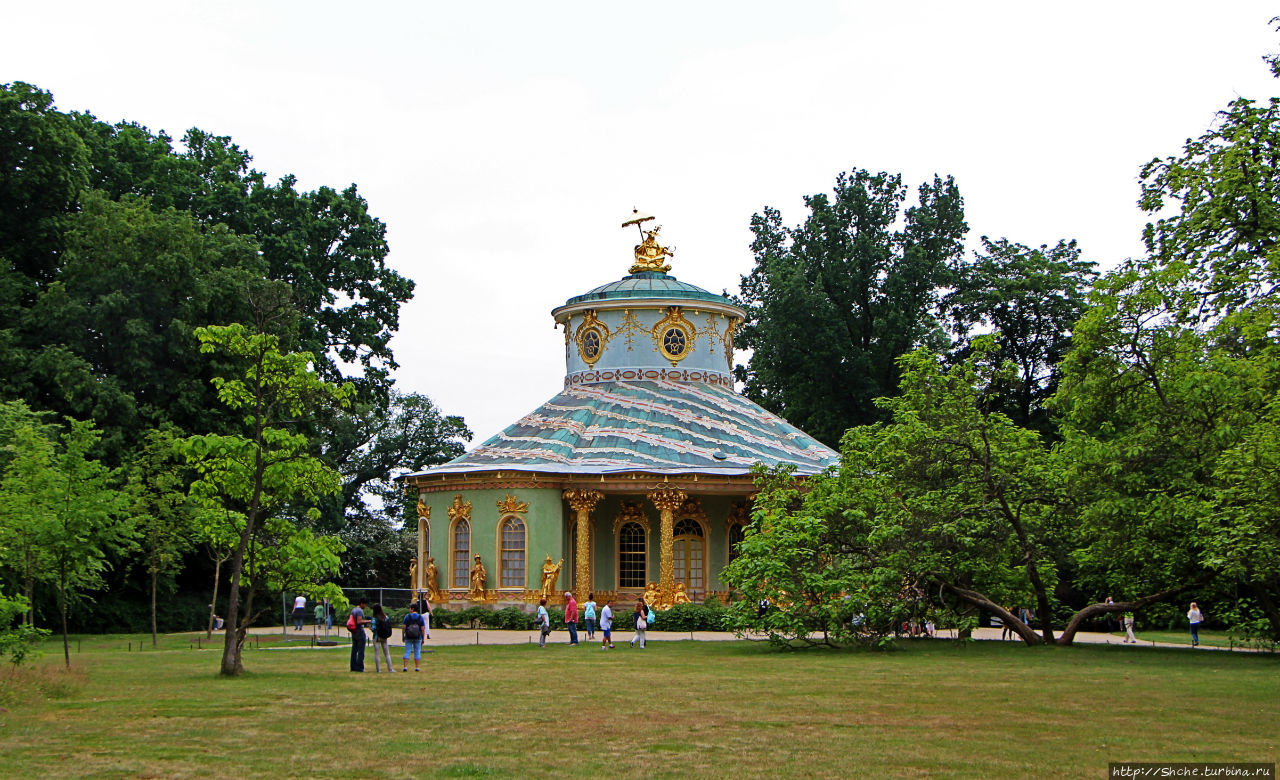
{"x":691,"y":617}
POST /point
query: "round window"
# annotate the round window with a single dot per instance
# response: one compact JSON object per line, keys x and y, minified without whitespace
{"x":674,"y":342}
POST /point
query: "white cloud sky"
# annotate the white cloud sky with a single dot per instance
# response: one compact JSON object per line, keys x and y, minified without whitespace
{"x":503,"y":143}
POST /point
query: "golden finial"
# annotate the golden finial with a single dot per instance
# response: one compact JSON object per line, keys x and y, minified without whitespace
{"x":649,"y":253}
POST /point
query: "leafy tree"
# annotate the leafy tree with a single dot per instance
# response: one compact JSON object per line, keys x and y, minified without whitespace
{"x":368,"y":444}
{"x":218,"y":529}
{"x":266,"y":471}
{"x":832,"y":302}
{"x":71,"y":507}
{"x":1028,"y":299}
{"x":160,"y":511}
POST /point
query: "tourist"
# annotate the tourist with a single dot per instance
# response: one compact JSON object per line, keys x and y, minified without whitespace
{"x":589,"y":615}
{"x":356,"y":624}
{"x":332,"y":613}
{"x":320,"y":613}
{"x":299,"y":611}
{"x":606,"y":624}
{"x":1005,"y":629}
{"x":571,"y":617}
{"x":1195,"y":618}
{"x":1128,"y":629}
{"x":425,"y":610}
{"x":1112,"y":626}
{"x":217,"y":623}
{"x":639,"y":623}
{"x":544,"y":623}
{"x":381,"y":634}
{"x":415,"y":628}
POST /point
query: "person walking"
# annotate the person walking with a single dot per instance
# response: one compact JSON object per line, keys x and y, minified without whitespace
{"x":639,"y":623}
{"x":1128,"y":629}
{"x":320,"y":612}
{"x":571,"y":617}
{"x":1195,"y":617}
{"x":356,"y":624}
{"x":544,"y":623}
{"x":415,"y":627}
{"x":606,"y":624}
{"x":381,"y":635}
{"x":589,"y":615}
{"x":299,"y":611}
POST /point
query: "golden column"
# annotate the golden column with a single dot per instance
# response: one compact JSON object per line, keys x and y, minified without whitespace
{"x":582,"y":502}
{"x":667,"y":499}
{"x":424,"y":515}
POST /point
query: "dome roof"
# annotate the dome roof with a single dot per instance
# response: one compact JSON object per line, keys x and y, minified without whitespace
{"x":648,"y":285}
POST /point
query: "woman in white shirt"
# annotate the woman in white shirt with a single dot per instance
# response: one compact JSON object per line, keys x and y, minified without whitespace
{"x":1195,"y":617}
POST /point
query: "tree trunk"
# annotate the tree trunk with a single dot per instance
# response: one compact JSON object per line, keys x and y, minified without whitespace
{"x":155,"y":575}
{"x":62,"y":607}
{"x":231,"y":642}
{"x":976,"y":599}
{"x":1093,"y":610}
{"x":213,"y":605}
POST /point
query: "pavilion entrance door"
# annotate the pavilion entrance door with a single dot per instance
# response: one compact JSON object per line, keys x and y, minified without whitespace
{"x":690,"y":557}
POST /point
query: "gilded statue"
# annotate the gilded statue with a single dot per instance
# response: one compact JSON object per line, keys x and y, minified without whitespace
{"x":478,"y":577}
{"x":433,"y":581}
{"x":650,"y":254}
{"x":652,"y":596}
{"x":680,"y":597}
{"x":413,"y":574}
{"x":550,"y":573}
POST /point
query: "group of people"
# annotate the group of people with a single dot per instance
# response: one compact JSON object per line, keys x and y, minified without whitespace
{"x":642,"y":618}
{"x":415,"y":630}
{"x":324,"y":613}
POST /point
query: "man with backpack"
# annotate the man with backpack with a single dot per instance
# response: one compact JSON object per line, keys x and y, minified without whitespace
{"x":414,"y":629}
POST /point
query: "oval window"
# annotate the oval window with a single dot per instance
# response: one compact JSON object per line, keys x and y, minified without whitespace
{"x":674,"y":342}
{"x":591,"y":345}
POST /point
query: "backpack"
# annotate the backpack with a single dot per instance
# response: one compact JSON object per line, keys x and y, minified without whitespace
{"x":413,"y":630}
{"x":383,"y":627}
{"x":351,"y":623}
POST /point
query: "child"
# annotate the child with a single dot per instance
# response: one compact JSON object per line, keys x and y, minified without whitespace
{"x":606,"y":626}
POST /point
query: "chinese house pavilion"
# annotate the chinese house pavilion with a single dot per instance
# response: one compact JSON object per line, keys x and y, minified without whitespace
{"x":638,"y":473}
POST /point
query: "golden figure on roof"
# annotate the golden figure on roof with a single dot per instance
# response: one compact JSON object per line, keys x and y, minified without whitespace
{"x":649,"y":253}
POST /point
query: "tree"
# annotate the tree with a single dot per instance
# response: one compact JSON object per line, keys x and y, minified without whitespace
{"x":160,"y":511}
{"x":1028,"y":299}
{"x":368,"y":443}
{"x":265,"y":471}
{"x":832,"y":302}
{"x":71,"y":507}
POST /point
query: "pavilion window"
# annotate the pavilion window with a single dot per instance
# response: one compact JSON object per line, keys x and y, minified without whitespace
{"x":631,"y":556}
{"x":513,"y":553}
{"x":462,"y":554}
{"x":690,"y":550}
{"x":736,"y":535}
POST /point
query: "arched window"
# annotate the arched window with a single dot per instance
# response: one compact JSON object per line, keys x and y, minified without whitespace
{"x":690,"y":551}
{"x":735,"y":535}
{"x":513,"y":553}
{"x":631,"y":556}
{"x":461,"y":554}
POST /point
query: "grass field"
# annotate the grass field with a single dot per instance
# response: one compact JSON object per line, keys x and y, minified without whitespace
{"x":676,"y":709}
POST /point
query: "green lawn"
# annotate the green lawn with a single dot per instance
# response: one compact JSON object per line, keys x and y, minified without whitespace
{"x":678,"y":709}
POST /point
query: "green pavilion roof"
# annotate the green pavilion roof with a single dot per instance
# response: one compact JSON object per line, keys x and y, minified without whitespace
{"x":648,"y":285}
{"x":659,"y":426}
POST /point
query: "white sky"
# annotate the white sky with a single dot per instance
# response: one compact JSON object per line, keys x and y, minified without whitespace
{"x":503,"y":143}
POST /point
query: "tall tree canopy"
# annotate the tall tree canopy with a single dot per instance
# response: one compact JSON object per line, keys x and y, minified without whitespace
{"x":833,"y":301}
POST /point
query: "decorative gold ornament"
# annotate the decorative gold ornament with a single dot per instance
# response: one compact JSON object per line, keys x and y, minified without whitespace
{"x":592,"y":337}
{"x":432,"y":581}
{"x":510,"y":505}
{"x":740,"y":514}
{"x":631,"y":512}
{"x":629,"y":327}
{"x":550,"y":573}
{"x":729,"y":330}
{"x":459,"y":509}
{"x":667,"y":499}
{"x":478,"y":576}
{"x":424,"y":511}
{"x":674,"y":336}
{"x":649,"y":253}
